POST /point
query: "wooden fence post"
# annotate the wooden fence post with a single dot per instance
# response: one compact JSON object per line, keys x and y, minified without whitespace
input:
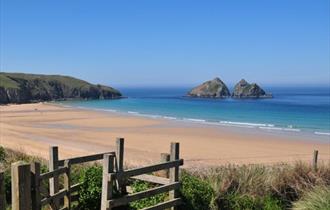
{"x":35,"y":182}
{"x":53,"y":165}
{"x":120,"y":164}
{"x":67,"y":185}
{"x":315,"y":156}
{"x":174,"y":172}
{"x":164,"y":157}
{"x":21,"y":186}
{"x":107,"y":181}
{"x":2,"y":192}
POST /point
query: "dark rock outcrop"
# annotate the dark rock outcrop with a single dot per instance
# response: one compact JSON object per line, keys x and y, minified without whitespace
{"x":25,"y":88}
{"x":243,"y":89}
{"x":211,"y":89}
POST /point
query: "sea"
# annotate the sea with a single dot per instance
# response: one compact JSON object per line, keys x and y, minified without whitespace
{"x":291,"y":110}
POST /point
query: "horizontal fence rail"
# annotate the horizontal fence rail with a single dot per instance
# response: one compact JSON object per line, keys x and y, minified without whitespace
{"x":147,"y":169}
{"x":115,"y":178}
{"x":143,"y":194}
{"x":84,"y":159}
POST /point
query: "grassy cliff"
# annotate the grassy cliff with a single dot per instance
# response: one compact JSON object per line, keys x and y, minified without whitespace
{"x":24,"y":88}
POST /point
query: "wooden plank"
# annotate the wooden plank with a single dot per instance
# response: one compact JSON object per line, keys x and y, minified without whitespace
{"x":53,"y":165}
{"x":67,"y":185}
{"x":107,"y":184}
{"x":84,"y":159}
{"x":53,"y":198}
{"x":165,"y":205}
{"x":36,"y":197}
{"x":21,"y":186}
{"x":53,"y":173}
{"x":2,"y":192}
{"x":152,"y":179}
{"x":140,"y":195}
{"x":315,"y":156}
{"x":150,"y":169}
{"x":75,"y":188}
{"x":120,"y":165}
{"x":174,"y":172}
{"x":164,"y":157}
{"x":74,"y":197}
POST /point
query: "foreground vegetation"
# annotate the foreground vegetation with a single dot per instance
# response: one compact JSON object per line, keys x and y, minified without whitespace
{"x":280,"y":186}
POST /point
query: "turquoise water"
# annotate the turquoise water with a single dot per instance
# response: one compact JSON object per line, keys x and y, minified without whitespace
{"x":299,"y":109}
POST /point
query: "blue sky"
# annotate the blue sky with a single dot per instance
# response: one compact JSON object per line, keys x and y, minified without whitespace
{"x":168,"y":42}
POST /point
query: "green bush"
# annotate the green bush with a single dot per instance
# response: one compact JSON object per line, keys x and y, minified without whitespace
{"x":318,"y":198}
{"x":197,"y":193}
{"x":7,"y":179}
{"x":91,"y":189}
{"x":139,"y":186}
{"x":244,"y":202}
{"x":2,"y":154}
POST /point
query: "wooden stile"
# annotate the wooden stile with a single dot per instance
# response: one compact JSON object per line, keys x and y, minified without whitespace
{"x":53,"y":165}
{"x":67,"y":184}
{"x":120,"y":164}
{"x":21,"y":186}
{"x":174,"y":172}
{"x":35,"y":180}
{"x":2,"y":192}
{"x":107,"y":184}
{"x":164,"y":157}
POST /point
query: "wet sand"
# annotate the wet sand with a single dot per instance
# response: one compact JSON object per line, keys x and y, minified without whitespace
{"x":32,"y":128}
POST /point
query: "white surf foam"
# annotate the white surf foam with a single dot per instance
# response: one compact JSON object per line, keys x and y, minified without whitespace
{"x":322,"y":133}
{"x":194,"y":120}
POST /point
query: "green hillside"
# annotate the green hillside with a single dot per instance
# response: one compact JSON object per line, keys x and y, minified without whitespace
{"x":24,"y":88}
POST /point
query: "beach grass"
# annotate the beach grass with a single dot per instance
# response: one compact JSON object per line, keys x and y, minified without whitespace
{"x":255,"y":186}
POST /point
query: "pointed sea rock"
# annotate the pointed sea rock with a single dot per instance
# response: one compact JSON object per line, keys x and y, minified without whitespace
{"x":211,"y":89}
{"x":243,"y":89}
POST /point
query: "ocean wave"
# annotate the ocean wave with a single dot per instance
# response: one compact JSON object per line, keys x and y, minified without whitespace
{"x":247,"y":124}
{"x":322,"y":133}
{"x":131,"y":112}
{"x":194,"y":120}
{"x":280,"y":129}
{"x":170,"y":118}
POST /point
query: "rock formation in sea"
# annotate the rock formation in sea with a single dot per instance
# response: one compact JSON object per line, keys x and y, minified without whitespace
{"x":211,"y":89}
{"x":243,"y":89}
{"x":25,"y":88}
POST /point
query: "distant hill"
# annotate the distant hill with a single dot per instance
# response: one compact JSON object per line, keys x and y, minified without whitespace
{"x":25,"y":88}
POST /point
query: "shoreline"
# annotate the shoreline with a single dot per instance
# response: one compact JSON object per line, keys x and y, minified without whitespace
{"x":34,"y":127}
{"x":257,"y":128}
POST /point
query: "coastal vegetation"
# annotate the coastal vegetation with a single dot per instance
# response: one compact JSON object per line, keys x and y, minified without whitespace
{"x":280,"y":186}
{"x":25,"y":88}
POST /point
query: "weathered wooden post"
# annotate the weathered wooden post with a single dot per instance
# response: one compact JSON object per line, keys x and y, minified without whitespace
{"x":315,"y":156}
{"x":53,"y":165}
{"x":174,"y":172}
{"x":2,"y":192}
{"x":21,"y":186}
{"x":35,"y":186}
{"x":67,"y":185}
{"x":120,"y":164}
{"x":164,"y":157}
{"x":107,"y":181}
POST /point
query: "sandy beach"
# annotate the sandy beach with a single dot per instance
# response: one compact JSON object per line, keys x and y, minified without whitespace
{"x":32,"y":128}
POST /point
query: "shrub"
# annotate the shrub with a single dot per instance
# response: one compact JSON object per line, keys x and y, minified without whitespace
{"x":238,"y":202}
{"x":91,"y":189}
{"x":197,"y":193}
{"x":138,"y":186}
{"x":318,"y":198}
{"x":2,"y":154}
